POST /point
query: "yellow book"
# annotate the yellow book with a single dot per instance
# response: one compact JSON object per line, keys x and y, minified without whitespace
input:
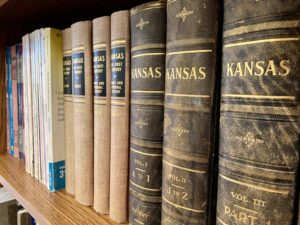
{"x":55,"y":150}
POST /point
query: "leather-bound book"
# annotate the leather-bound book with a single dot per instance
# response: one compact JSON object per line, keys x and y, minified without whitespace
{"x":102,"y":92}
{"x":190,"y":90}
{"x":68,"y":105}
{"x":120,"y":90}
{"x":148,"y":34}
{"x":259,"y":131}
{"x":83,"y":111}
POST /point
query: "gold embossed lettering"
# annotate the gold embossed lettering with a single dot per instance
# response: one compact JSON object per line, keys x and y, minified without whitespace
{"x":186,"y":73}
{"x":146,"y":72}
{"x":177,"y":178}
{"x":178,"y":193}
{"x":118,"y":55}
{"x":260,"y":203}
{"x":239,"y":197}
{"x":238,"y":70}
{"x":271,"y":68}
{"x":67,"y":62}
{"x":230,"y":69}
{"x":285,"y":66}
{"x":248,"y":69}
{"x":140,"y":213}
{"x":240,"y":217}
{"x":258,"y":68}
{"x":99,"y":58}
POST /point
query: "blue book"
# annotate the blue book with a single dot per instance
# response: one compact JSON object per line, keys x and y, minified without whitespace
{"x":33,"y":222}
{"x":10,"y":100}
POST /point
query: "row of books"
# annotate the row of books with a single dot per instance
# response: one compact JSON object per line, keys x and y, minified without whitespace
{"x":44,"y":107}
{"x":161,"y":123}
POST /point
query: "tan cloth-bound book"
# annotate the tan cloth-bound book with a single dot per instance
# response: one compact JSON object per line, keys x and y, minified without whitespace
{"x":68,"y":104}
{"x":83,"y":111}
{"x":120,"y":85}
{"x":102,"y":93}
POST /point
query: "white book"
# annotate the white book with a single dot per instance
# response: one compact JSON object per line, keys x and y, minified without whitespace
{"x":30,"y":106}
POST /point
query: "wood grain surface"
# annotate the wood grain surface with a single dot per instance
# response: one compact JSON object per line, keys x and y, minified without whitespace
{"x":2,"y":90}
{"x":48,"y":208}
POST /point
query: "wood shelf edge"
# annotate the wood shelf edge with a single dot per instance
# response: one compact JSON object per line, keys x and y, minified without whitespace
{"x":48,"y":208}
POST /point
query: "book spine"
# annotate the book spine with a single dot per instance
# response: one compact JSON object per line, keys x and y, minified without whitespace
{"x":10,"y":101}
{"x":15,"y":99}
{"x":189,"y":93}
{"x":24,"y":78}
{"x":259,"y":126}
{"x":68,"y":106}
{"x":34,"y":134}
{"x":120,"y":90}
{"x":43,"y":109}
{"x":55,"y":137}
{"x":20,"y":101}
{"x":148,"y":40}
{"x":7,"y":105}
{"x":25,"y":90}
{"x":29,"y":106}
{"x":102,"y":95}
{"x":83,"y":111}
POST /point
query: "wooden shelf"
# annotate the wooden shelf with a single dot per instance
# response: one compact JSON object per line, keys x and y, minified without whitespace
{"x":47,"y":208}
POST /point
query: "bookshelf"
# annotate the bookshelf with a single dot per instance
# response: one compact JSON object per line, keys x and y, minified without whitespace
{"x":18,"y":17}
{"x":48,"y":208}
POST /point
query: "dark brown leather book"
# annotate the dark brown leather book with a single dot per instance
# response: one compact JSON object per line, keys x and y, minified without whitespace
{"x":259,"y":133}
{"x":148,"y":34}
{"x":83,"y":111}
{"x":190,"y":89}
{"x":102,"y":89}
{"x":68,"y":105}
{"x":120,"y":91}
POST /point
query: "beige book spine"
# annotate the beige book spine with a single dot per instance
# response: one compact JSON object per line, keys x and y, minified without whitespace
{"x":120,"y":45}
{"x":102,"y":82}
{"x":83,"y":111}
{"x":68,"y":104}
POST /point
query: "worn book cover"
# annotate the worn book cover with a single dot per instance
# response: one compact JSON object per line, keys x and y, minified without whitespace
{"x":259,"y":127}
{"x":102,"y":112}
{"x":120,"y":87}
{"x":148,"y":51}
{"x":83,"y":111}
{"x":189,"y":93}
